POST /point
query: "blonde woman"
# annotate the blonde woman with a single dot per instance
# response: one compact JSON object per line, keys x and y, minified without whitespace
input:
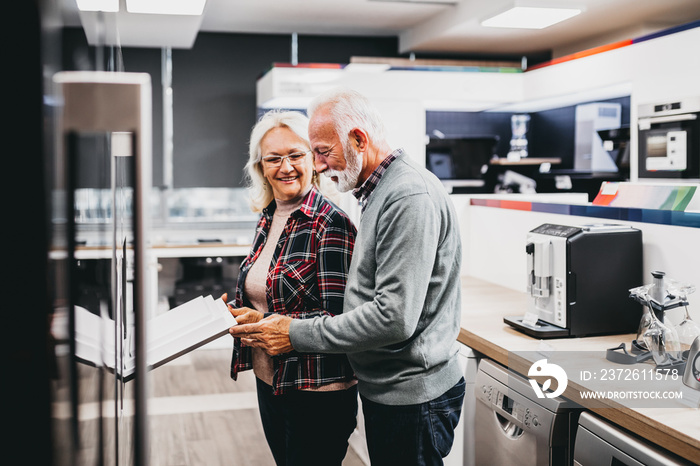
{"x":297,"y":267}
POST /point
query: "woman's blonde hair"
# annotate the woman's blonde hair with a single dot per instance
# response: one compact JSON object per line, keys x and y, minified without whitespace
{"x":259,"y":189}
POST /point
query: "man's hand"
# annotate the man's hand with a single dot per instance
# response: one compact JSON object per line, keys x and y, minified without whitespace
{"x":271,"y":334}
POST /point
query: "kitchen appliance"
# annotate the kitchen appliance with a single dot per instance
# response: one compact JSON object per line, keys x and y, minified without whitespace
{"x":518,"y":141}
{"x":616,"y":143}
{"x":578,"y":279}
{"x":654,"y":335}
{"x":691,"y":376}
{"x":669,"y":139}
{"x":515,"y":427}
{"x":598,"y":442}
{"x":589,"y":153}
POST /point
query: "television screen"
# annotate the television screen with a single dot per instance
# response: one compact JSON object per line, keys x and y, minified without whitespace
{"x":460,"y":158}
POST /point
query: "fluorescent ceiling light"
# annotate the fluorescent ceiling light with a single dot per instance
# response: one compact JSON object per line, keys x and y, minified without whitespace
{"x":111,"y":6}
{"x":433,"y":2}
{"x":445,"y":2}
{"x":166,"y":7}
{"x":530,"y":17}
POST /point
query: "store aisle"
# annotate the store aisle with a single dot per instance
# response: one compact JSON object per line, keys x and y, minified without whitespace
{"x":199,"y":416}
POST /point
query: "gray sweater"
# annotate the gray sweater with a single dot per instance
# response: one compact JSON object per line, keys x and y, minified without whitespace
{"x":401,"y":314}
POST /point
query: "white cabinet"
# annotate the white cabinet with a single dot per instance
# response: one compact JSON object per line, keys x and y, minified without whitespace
{"x":463,"y":448}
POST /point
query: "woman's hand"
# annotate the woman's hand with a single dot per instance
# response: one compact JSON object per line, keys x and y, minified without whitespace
{"x":243,"y":315}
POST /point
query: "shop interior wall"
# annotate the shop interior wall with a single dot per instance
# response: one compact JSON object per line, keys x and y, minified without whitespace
{"x":214,"y":85}
{"x":550,"y":133}
{"x":495,"y":242}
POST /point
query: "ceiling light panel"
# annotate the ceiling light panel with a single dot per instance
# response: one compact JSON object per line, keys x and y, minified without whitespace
{"x":445,"y":2}
{"x":522,"y":17}
{"x":166,"y":7}
{"x":110,"y":6}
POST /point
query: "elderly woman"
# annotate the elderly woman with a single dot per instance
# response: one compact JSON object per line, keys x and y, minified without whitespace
{"x":297,"y":267}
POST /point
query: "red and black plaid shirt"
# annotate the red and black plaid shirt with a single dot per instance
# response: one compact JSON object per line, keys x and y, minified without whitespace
{"x":306,"y":279}
{"x":363,"y":192}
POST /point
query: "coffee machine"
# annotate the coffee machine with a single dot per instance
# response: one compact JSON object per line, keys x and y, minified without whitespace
{"x":578,"y":281}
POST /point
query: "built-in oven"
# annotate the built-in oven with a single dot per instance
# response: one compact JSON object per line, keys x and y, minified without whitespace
{"x":669,"y":139}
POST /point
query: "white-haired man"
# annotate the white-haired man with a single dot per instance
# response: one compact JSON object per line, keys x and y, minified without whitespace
{"x":401,"y":312}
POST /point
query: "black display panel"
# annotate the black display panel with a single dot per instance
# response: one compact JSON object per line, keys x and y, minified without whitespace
{"x":460,"y":159}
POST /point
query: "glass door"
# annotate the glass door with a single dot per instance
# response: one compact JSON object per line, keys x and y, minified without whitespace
{"x":106,"y":139}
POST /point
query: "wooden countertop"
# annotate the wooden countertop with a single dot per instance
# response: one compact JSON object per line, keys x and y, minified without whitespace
{"x":675,"y":428}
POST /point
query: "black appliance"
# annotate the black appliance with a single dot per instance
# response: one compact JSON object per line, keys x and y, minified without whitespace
{"x":578,"y":281}
{"x":616,"y":143}
{"x":201,"y":276}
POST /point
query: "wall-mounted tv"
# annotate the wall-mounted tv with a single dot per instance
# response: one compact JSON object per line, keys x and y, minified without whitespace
{"x":460,"y":162}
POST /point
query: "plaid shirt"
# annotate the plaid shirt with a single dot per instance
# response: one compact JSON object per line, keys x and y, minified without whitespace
{"x":306,"y":279}
{"x":363,"y":192}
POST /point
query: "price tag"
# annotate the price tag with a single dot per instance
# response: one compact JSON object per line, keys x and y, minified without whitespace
{"x":609,"y":188}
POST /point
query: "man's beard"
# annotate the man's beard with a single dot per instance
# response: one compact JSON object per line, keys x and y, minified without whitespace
{"x":347,"y":178}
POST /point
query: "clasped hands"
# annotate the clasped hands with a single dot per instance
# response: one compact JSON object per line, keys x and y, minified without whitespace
{"x":271,"y":334}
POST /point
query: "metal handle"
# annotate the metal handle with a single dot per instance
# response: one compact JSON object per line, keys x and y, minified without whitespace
{"x":509,"y":427}
{"x":645,"y":123}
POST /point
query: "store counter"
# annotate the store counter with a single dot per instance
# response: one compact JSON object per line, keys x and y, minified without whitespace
{"x":674,"y":427}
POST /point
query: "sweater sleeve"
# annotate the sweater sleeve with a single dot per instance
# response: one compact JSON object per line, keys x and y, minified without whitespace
{"x":406,"y":245}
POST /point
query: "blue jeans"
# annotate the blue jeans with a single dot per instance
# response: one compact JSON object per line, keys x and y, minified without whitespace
{"x":408,"y":435}
{"x":306,"y":428}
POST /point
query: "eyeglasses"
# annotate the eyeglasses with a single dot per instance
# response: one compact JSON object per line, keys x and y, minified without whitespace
{"x":276,"y":160}
{"x":324,"y":153}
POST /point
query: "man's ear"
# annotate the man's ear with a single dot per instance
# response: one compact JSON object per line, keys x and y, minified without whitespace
{"x":359,"y":138}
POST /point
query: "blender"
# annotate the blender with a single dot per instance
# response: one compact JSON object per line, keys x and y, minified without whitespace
{"x":666,"y":343}
{"x":518,"y":143}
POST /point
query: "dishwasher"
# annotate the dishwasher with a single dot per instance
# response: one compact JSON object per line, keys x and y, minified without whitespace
{"x":598,"y":442}
{"x":514,"y":427}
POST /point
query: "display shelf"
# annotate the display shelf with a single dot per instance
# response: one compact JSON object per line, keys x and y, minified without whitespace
{"x":526,"y":161}
{"x":662,"y":217}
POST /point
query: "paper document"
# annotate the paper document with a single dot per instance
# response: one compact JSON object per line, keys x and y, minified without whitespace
{"x":168,"y":336}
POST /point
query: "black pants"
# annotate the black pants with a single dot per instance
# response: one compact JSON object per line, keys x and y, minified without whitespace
{"x":308,"y":428}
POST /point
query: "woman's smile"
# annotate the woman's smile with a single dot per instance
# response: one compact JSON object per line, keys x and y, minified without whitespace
{"x":291,"y":177}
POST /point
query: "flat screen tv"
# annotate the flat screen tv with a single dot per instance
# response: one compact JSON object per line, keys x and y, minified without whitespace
{"x":460,"y":161}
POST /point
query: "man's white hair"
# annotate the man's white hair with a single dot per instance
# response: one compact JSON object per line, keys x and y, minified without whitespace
{"x":349,"y":109}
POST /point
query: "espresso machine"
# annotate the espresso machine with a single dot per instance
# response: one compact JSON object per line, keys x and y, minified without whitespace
{"x":578,"y":278}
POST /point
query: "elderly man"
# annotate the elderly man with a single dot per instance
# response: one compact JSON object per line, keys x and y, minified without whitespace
{"x":401,"y":312}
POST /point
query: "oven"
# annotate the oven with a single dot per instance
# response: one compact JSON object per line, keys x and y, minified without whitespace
{"x":669,"y":139}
